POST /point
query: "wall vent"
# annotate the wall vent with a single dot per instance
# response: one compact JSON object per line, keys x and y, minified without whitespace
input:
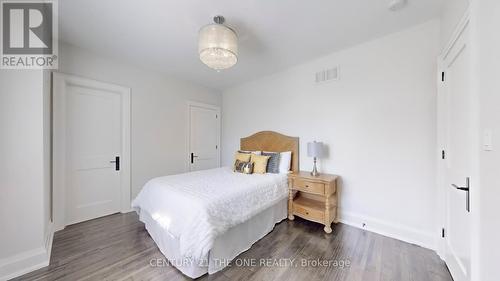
{"x":330,"y":74}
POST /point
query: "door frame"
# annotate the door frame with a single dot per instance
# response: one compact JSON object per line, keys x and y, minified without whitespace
{"x":60,"y":82}
{"x":442,"y":144}
{"x":190,"y":104}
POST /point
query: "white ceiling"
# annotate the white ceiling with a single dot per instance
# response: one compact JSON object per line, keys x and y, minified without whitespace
{"x":274,"y":34}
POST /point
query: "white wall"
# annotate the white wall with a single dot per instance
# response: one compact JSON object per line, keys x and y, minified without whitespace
{"x":378,"y":121}
{"x":453,"y":10}
{"x":158,"y":125}
{"x":486,"y":17}
{"x":23,"y":218}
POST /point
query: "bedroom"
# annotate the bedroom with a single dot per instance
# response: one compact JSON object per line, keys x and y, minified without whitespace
{"x":119,"y":144}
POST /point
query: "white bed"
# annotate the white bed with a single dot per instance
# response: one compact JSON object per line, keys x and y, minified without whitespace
{"x":202,"y":220}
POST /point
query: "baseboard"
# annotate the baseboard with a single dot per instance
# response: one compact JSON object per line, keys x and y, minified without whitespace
{"x":49,"y":239}
{"x":124,"y":211}
{"x":28,"y":261}
{"x":393,"y":230}
{"x":59,"y":227}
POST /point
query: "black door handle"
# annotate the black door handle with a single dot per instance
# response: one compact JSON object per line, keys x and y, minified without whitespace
{"x":465,"y":188}
{"x":117,"y":163}
{"x":192,"y":157}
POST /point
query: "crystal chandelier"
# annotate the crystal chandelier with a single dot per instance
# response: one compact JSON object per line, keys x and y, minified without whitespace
{"x":218,"y":45}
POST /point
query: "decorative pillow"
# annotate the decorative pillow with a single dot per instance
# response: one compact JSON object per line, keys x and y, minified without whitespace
{"x":243,"y":167}
{"x":248,"y":168}
{"x":240,"y":157}
{"x":259,"y":163}
{"x":256,"y":152}
{"x":273,"y":164}
{"x":244,"y":157}
{"x":285,"y":162}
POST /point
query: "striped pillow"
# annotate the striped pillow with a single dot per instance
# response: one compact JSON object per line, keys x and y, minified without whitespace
{"x":273,"y":164}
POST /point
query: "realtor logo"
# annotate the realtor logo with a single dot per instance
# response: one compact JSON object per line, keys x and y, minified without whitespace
{"x":29,"y":34}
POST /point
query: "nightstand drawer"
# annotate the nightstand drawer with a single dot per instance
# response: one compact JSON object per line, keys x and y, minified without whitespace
{"x":308,"y":213}
{"x":307,"y":186}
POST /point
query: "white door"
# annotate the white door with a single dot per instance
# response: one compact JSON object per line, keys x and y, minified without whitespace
{"x":204,"y":134}
{"x":460,"y":144}
{"x":92,"y":121}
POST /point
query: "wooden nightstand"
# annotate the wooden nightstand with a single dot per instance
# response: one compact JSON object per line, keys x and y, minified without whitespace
{"x":313,"y":198}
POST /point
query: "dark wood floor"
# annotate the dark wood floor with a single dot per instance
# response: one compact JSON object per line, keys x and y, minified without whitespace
{"x":117,"y":247}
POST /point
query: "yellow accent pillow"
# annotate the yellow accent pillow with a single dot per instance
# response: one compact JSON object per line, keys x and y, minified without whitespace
{"x":243,"y":157}
{"x":259,"y":163}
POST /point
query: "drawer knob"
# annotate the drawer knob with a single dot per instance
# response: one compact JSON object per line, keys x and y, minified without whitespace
{"x":307,"y":185}
{"x":307,"y":213}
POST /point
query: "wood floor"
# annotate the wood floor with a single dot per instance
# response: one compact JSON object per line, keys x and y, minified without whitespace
{"x":117,"y":247}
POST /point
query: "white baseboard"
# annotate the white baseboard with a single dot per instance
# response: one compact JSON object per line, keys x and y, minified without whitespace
{"x":124,"y":211}
{"x":28,"y":261}
{"x":393,"y":230}
{"x":59,"y":227}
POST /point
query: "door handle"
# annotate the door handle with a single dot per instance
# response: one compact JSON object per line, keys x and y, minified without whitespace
{"x":465,"y":188}
{"x":117,"y":163}
{"x":192,"y":157}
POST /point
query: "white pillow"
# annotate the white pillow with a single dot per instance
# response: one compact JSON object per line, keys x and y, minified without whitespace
{"x":285,"y":162}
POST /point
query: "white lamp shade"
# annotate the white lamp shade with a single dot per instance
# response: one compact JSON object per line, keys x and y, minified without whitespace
{"x":218,"y":46}
{"x":315,"y":149}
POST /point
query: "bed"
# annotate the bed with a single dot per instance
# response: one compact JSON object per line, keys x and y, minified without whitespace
{"x":202,"y":220}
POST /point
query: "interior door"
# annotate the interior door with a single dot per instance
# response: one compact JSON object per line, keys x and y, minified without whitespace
{"x":204,"y":132}
{"x":93,"y":153}
{"x":460,"y":136}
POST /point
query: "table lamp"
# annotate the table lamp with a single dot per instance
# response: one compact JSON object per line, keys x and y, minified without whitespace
{"x":315,"y":150}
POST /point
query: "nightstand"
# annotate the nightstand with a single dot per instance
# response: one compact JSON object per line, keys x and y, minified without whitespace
{"x":313,"y":198}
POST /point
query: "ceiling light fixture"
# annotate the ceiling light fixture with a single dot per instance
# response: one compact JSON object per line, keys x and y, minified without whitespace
{"x":218,"y":45}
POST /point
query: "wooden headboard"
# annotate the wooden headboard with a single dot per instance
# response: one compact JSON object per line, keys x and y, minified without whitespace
{"x":272,"y":141}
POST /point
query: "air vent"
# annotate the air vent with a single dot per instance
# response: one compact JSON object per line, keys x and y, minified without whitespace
{"x":331,"y":74}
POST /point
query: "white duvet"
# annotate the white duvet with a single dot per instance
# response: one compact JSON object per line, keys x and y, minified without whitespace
{"x":196,"y":207}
